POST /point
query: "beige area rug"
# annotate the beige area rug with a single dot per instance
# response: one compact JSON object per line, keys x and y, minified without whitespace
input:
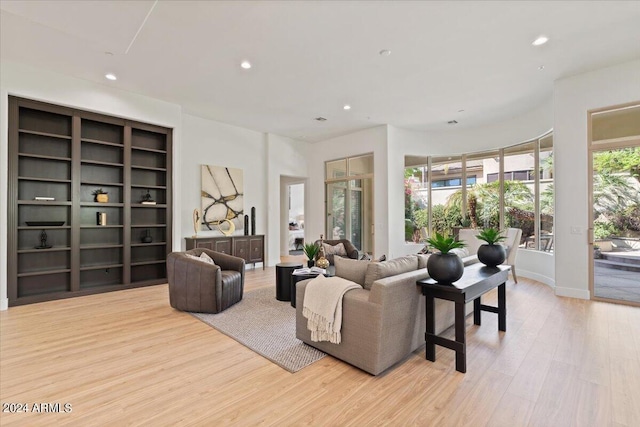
{"x":266,"y":326}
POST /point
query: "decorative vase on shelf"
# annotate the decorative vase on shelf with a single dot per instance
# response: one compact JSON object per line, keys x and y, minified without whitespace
{"x":101,"y":196}
{"x":146,"y":238}
{"x":491,"y":254}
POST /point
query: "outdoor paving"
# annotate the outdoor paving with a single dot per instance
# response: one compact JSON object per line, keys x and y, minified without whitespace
{"x":616,"y":284}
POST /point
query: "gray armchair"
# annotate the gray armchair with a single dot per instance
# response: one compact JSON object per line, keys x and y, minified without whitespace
{"x":202,"y":287}
{"x":352,"y":252}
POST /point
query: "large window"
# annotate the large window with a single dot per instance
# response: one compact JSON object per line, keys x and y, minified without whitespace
{"x":510,"y":187}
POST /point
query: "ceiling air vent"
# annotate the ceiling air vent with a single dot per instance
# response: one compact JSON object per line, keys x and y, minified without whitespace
{"x":321,"y":119}
{"x":452,"y":122}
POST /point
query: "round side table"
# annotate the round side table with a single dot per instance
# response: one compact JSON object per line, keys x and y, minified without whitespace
{"x":283,"y":279}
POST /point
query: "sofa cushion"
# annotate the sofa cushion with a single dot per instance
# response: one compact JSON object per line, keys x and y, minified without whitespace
{"x":461,"y":252}
{"x":202,"y":258}
{"x":351,"y":269}
{"x":380,"y":270}
{"x":422,"y":260}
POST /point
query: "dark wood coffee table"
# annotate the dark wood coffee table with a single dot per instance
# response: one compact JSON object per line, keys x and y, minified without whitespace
{"x":475,"y":282}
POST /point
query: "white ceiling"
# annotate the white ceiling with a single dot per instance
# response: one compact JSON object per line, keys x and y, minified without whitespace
{"x":311,"y":58}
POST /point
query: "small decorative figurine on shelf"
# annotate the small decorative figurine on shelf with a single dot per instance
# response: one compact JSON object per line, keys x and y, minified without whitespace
{"x":147,"y":199}
{"x":43,"y":241}
{"x":146,"y":237}
{"x":100,"y":195}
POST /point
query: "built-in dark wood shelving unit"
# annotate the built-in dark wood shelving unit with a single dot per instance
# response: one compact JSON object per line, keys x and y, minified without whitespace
{"x":67,"y":154}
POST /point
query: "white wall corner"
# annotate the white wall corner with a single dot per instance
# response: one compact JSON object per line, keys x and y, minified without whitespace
{"x":572,"y":293}
{"x":537,"y":277}
{"x":4,"y":304}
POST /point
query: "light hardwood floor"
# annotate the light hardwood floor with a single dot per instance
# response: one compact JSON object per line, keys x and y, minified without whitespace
{"x":127,"y":358}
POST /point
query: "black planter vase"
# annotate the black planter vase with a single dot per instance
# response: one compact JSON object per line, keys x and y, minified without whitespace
{"x":445,"y":268}
{"x":310,"y":263}
{"x":492,"y":255}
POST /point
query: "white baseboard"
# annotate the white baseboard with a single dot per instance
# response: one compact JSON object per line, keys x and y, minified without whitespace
{"x":537,"y":277}
{"x":573,"y":293}
{"x":4,"y":304}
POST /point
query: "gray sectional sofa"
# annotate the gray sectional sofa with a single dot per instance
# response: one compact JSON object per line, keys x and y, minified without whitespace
{"x":384,"y":322}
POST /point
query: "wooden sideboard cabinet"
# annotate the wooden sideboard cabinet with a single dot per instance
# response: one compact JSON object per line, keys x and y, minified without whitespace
{"x":249,"y":248}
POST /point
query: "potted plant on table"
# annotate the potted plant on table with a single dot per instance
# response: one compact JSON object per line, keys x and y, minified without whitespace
{"x":491,"y":254}
{"x":446,"y":267}
{"x":310,"y":250}
{"x":100,"y":195}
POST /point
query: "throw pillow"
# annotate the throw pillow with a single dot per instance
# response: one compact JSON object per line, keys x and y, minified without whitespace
{"x":334,"y":250}
{"x":351,"y":269}
{"x":201,"y":258}
{"x":206,"y":258}
{"x":380,"y":270}
{"x":422,"y":260}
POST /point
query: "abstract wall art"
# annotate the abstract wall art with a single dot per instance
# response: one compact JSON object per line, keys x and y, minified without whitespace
{"x":222,"y":197}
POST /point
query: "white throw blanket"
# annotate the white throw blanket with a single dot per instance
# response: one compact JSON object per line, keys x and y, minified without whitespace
{"x":322,"y":307}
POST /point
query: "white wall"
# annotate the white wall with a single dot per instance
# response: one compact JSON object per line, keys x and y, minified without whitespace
{"x":206,"y":142}
{"x":29,"y":82}
{"x":296,"y":201}
{"x":372,"y":140}
{"x":573,"y":97}
{"x":287,"y":163}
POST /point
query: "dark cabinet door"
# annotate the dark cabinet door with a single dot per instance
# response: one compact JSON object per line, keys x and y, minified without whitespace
{"x":224,"y":246}
{"x":256,"y":247}
{"x":241,"y":249}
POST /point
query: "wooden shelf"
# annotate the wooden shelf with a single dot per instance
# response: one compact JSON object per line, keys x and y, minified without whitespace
{"x":155,"y":187}
{"x":161,"y":261}
{"x":150,"y":150}
{"x":83,"y":247}
{"x":100,"y":267}
{"x":141,"y":245}
{"x":53,"y":249}
{"x":97,"y":141}
{"x":89,"y":151}
{"x":43,"y":272}
{"x":32,"y":178}
{"x":103,"y":184}
{"x":43,"y":203}
{"x":42,"y":156}
{"x":140,"y":205}
{"x":101,"y":163}
{"x":46,"y":227}
{"x":98,"y":204}
{"x":52,"y":135}
{"x":149,"y":168}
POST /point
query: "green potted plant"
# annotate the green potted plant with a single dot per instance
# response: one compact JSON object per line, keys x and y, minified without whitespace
{"x":491,"y":254}
{"x":310,"y":250}
{"x":100,"y":195}
{"x":446,"y":267}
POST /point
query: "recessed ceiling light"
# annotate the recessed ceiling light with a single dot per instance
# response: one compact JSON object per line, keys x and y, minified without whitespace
{"x":110,"y":76}
{"x":540,"y":68}
{"x":540,"y":41}
{"x":246,"y":65}
{"x":321,"y":119}
{"x":452,"y":122}
{"x":460,"y":111}
{"x":385,"y":52}
{"x":347,"y":107}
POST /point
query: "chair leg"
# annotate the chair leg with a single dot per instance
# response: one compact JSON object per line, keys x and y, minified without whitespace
{"x":513,"y":272}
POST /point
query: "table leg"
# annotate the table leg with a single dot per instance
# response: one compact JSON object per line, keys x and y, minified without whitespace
{"x":461,"y":356}
{"x":476,"y":310}
{"x":502,"y":307}
{"x":431,"y":328}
